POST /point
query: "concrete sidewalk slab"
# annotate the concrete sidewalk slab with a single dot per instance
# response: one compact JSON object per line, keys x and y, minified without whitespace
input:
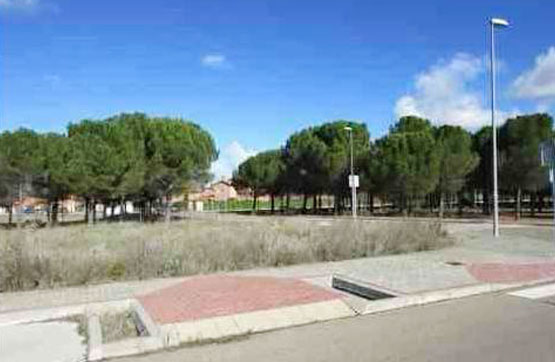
{"x":50,"y":341}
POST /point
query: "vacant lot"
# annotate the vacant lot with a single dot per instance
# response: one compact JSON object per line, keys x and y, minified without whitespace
{"x":77,"y":255}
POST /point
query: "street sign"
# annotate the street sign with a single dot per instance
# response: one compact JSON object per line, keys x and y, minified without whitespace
{"x":353,"y":181}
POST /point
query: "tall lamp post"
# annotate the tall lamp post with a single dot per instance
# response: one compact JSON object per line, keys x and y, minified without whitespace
{"x":495,"y":22}
{"x":353,"y":180}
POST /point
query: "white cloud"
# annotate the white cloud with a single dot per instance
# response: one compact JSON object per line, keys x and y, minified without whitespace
{"x":18,"y":4}
{"x":229,"y":159}
{"x":213,"y":60}
{"x":539,"y":82}
{"x":444,"y":94}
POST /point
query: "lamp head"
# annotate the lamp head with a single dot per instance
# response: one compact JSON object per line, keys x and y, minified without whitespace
{"x":499,"y":22}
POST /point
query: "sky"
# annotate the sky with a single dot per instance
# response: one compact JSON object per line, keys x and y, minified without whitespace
{"x":252,"y":72}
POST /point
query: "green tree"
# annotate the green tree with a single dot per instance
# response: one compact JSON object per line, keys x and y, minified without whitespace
{"x":305,"y":157}
{"x":520,"y":138}
{"x":317,"y":159}
{"x":52,"y":181}
{"x":18,"y":151}
{"x":375,"y":173}
{"x":133,"y":156}
{"x":261,"y":173}
{"x":338,"y":153}
{"x":177,"y":152}
{"x":481,"y":178}
{"x":456,"y":160}
{"x":409,"y":156}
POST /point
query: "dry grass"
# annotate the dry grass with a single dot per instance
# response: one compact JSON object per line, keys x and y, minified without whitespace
{"x":78,"y":255}
{"x":118,"y":326}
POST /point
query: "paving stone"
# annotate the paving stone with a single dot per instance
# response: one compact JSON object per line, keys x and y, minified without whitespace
{"x":219,"y":295}
{"x":511,"y":272}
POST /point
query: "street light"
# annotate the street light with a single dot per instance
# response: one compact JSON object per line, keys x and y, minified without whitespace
{"x":495,"y":22}
{"x":353,"y":182}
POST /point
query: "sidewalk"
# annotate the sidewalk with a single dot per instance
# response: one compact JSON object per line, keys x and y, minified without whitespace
{"x":205,"y":308}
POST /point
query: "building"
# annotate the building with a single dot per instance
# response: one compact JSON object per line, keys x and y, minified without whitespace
{"x":218,"y":191}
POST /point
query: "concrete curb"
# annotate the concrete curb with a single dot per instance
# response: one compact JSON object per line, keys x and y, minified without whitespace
{"x":412,"y":300}
{"x":95,"y":337}
{"x":259,"y":321}
{"x":152,"y":328}
{"x":131,"y":346}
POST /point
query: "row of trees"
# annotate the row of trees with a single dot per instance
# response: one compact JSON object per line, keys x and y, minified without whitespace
{"x":415,"y":164}
{"x":130,"y":157}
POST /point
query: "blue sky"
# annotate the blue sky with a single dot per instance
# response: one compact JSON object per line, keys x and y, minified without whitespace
{"x":254,"y":71}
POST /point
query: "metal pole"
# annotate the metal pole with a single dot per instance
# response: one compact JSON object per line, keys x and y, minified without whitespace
{"x":494,"y":130}
{"x":353,"y":186}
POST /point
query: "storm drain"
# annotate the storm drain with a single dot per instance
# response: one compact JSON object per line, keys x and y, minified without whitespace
{"x":359,"y":288}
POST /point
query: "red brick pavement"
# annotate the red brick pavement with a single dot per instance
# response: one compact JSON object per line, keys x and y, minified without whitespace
{"x":219,"y":295}
{"x":508,"y":273}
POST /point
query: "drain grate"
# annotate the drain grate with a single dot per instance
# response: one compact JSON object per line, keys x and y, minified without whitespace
{"x":359,"y":288}
{"x":455,"y":263}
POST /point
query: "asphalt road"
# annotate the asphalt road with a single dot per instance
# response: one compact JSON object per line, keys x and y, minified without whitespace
{"x":496,"y":327}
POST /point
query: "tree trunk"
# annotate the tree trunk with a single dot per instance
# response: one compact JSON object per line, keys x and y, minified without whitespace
{"x":441,"y":205}
{"x":10,"y":214}
{"x":540,"y":202}
{"x":485,"y":203}
{"x":533,"y":204}
{"x":94,"y":211}
{"x":305,"y":201}
{"x":121,"y":209}
{"x":518,"y":201}
{"x":287,"y":201}
{"x":168,"y":211}
{"x":54,"y":212}
{"x":459,"y":202}
{"x":254,"y":202}
{"x":273,"y":197}
{"x":314,"y":203}
{"x":87,"y":203}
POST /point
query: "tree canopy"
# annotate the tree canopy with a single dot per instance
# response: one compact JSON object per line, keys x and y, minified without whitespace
{"x":126,"y":157}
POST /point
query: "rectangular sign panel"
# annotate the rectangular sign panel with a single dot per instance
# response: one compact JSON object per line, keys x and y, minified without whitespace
{"x":353,"y":181}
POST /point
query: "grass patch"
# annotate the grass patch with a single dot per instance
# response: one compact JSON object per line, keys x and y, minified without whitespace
{"x":118,"y":326}
{"x":78,"y":255}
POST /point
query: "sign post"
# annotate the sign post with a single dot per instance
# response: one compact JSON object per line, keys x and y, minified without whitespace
{"x":354,"y":184}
